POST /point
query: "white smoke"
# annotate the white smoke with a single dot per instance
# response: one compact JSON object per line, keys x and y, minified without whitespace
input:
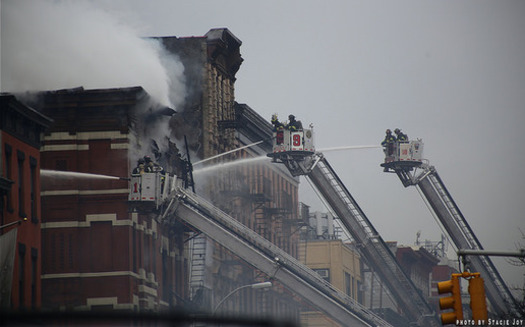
{"x":49,"y":45}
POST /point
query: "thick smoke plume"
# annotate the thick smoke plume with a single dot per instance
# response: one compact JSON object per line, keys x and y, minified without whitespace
{"x":48,"y":45}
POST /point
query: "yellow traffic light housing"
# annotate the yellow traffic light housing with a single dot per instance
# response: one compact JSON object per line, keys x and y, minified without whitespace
{"x":478,"y":303}
{"x":451,"y":302}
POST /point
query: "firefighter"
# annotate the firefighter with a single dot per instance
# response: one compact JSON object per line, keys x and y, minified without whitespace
{"x":401,"y":137}
{"x":278,"y":128}
{"x":149,"y":166}
{"x":140,"y":167}
{"x":152,"y":167}
{"x":294,"y":125}
{"x":277,"y":125}
{"x":388,"y":144}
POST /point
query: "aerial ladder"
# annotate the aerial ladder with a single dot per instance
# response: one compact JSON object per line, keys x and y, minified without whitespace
{"x":174,"y":202}
{"x":406,"y":160}
{"x":295,"y":149}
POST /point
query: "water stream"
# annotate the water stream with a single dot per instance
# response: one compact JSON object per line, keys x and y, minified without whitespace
{"x":349,"y":147}
{"x":72,"y":174}
{"x":263,"y":158}
{"x":203,"y":170}
{"x":227,"y":152}
{"x":230,"y":164}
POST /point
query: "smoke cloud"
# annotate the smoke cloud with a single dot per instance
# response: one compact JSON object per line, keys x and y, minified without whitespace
{"x":49,"y":45}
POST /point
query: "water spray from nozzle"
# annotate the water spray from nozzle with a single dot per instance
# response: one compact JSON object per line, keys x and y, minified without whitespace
{"x":227,"y":152}
{"x":349,"y":147}
{"x":231,"y":164}
{"x":73,"y":174}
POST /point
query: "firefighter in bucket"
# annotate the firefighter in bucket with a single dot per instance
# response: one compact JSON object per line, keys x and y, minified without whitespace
{"x":278,"y":128}
{"x":388,"y":145}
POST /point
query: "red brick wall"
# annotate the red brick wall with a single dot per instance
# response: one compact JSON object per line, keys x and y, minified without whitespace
{"x":26,"y":290}
{"x":96,"y":252}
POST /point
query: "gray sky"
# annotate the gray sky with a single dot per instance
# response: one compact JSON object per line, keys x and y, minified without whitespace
{"x":451,"y":73}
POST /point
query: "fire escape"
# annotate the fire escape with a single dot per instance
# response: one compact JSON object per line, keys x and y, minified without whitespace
{"x":261,"y":196}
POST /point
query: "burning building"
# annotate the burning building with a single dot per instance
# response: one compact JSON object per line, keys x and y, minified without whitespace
{"x":99,"y":252}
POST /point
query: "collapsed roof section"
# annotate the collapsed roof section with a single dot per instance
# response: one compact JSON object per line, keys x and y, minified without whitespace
{"x":97,"y":109}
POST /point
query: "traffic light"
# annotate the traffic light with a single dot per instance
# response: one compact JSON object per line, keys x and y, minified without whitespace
{"x":451,"y":302}
{"x":478,"y":303}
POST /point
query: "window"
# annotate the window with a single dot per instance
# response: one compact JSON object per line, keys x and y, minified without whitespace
{"x":9,"y":175}
{"x":360,"y":292}
{"x":324,"y":273}
{"x":33,"y":164}
{"x":348,"y":284}
{"x":34,"y":260}
{"x":154,"y":253}
{"x":21,"y":191}
{"x":134,"y":242}
{"x":21,"y":274}
{"x":62,"y":251}
{"x":166,"y":285}
{"x":146,"y":249}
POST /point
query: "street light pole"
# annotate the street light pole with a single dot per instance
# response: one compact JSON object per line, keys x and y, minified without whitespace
{"x":253,"y":286}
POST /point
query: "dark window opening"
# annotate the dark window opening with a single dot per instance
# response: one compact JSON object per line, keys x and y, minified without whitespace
{"x":134,"y":242}
{"x":166,"y":289}
{"x":21,"y":274}
{"x":34,"y":266}
{"x":33,"y":164}
{"x":348,"y":284}
{"x":9,"y":175}
{"x":21,"y":189}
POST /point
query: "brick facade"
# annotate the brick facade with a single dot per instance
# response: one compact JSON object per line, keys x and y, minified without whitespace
{"x":101,"y":253}
{"x":20,"y":135}
{"x":98,"y":254}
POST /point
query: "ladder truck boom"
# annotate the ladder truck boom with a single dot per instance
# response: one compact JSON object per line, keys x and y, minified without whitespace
{"x":369,"y":243}
{"x":414,"y":172}
{"x":268,"y":258}
{"x":169,"y":197}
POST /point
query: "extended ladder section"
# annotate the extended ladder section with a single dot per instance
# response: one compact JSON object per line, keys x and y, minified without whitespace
{"x":268,"y":258}
{"x":197,"y":263}
{"x":370,"y":243}
{"x":407,"y":162}
{"x":463,"y":237}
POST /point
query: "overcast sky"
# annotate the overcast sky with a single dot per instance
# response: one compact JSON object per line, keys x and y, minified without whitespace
{"x":449,"y":72}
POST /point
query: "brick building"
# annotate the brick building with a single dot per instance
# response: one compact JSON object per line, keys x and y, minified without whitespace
{"x":21,"y":128}
{"x":97,"y":252}
{"x":417,"y":263}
